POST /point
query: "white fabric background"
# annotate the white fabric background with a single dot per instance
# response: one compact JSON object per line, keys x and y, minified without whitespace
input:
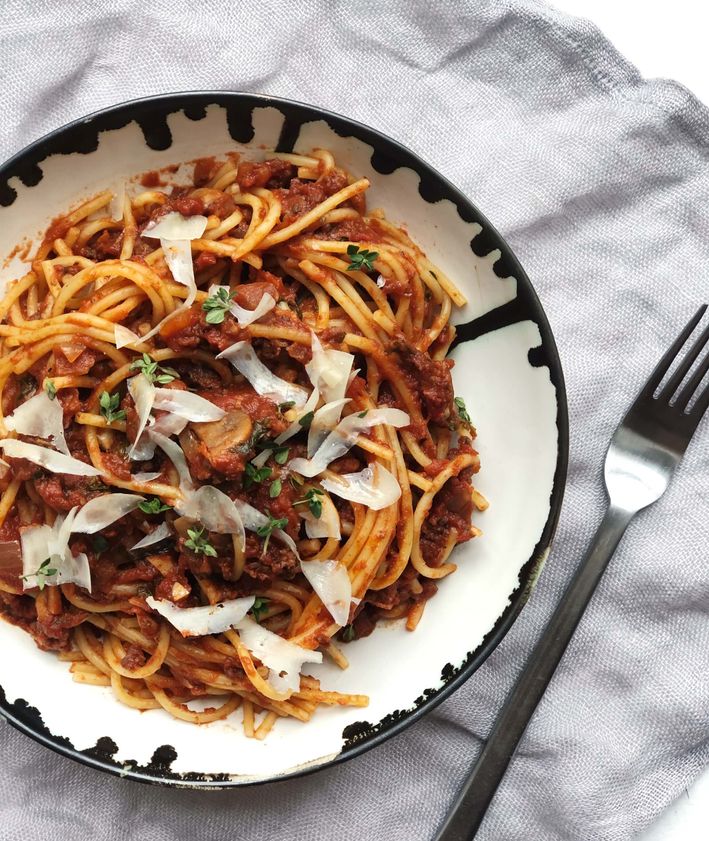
{"x":599,"y":181}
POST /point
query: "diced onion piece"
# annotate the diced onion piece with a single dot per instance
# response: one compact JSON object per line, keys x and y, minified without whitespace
{"x":186,"y":405}
{"x":175,"y":226}
{"x":41,"y":417}
{"x":246,"y":317}
{"x":278,"y":654}
{"x":125,"y":337}
{"x":156,"y":535}
{"x":329,"y":370}
{"x":42,"y":543}
{"x":214,"y":510}
{"x":200,"y":621}
{"x":146,"y":477}
{"x":103,"y":510}
{"x":115,"y":208}
{"x":143,"y":393}
{"x":343,"y":437}
{"x":332,"y":585}
{"x":325,"y":419}
{"x":253,"y":520}
{"x":264,"y":382}
{"x":374,"y":487}
{"x":174,"y":452}
{"x":295,"y":426}
{"x":326,"y":525}
{"x":50,"y":459}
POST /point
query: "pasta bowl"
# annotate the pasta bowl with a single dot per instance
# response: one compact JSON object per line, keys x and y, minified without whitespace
{"x":507,"y":371}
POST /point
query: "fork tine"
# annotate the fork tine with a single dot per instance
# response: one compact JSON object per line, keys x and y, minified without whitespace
{"x":669,"y":357}
{"x":692,"y":385}
{"x":682,"y":370}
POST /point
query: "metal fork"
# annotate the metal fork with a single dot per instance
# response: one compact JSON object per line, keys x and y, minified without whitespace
{"x":644,"y":451}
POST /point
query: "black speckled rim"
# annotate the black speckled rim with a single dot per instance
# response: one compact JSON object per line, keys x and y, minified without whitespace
{"x":387,"y":155}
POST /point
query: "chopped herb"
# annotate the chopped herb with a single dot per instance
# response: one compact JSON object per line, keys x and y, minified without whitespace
{"x":462,"y":411}
{"x":360,"y":260}
{"x":267,"y":529}
{"x":313,"y":501}
{"x":109,"y":404}
{"x":260,"y":606}
{"x":363,"y":414}
{"x":258,"y":434}
{"x":275,"y":488}
{"x":98,"y":543}
{"x":198,"y":543}
{"x":154,"y":372}
{"x":348,"y":633}
{"x":43,"y":573}
{"x":280,"y":454}
{"x":50,"y":388}
{"x":217,"y":305}
{"x":288,"y":404}
{"x":153,"y":506}
{"x":306,"y":420}
{"x":255,"y":474}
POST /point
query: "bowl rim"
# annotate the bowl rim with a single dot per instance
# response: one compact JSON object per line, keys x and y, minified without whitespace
{"x":27,"y":719}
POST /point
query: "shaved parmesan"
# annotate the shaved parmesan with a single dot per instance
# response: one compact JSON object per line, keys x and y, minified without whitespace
{"x":295,"y":426}
{"x":374,"y":487}
{"x":331,"y":583}
{"x":326,"y":525}
{"x":125,"y":337}
{"x":143,"y":393}
{"x":326,"y":417}
{"x":184,"y":404}
{"x":200,"y":621}
{"x":103,"y":510}
{"x":253,"y":520}
{"x":343,"y":437}
{"x":175,"y":226}
{"x":162,"y":532}
{"x":166,"y":425}
{"x":50,"y":459}
{"x":214,"y":510}
{"x":41,"y":417}
{"x":329,"y":370}
{"x":285,"y":659}
{"x":264,"y":382}
{"x":245,"y":317}
{"x":178,"y":256}
{"x":50,"y":544}
{"x":174,"y":452}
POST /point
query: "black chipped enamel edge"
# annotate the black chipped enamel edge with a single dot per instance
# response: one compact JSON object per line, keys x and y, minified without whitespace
{"x":151,"y":115}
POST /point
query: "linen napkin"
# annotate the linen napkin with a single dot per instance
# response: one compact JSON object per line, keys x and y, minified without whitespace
{"x":599,"y":181}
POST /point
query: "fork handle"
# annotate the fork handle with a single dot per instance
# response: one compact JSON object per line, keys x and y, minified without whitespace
{"x":479,"y":788}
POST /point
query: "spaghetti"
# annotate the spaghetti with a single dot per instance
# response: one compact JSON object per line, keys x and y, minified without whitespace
{"x":230,"y":437}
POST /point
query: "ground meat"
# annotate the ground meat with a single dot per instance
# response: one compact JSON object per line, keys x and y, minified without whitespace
{"x":118,"y":464}
{"x":73,"y":358}
{"x":204,"y":170}
{"x":278,"y":562}
{"x":146,"y":623}
{"x":351,"y":230}
{"x":299,"y":199}
{"x":430,"y":378}
{"x":197,"y":375}
{"x":71,"y":404}
{"x":135,"y":657}
{"x":62,"y":492}
{"x":205,"y":260}
{"x":53,"y":633}
{"x":103,"y":246}
{"x":451,"y":512}
{"x":187,"y":205}
{"x":10,"y":395}
{"x":272,"y":173}
{"x":22,"y":469}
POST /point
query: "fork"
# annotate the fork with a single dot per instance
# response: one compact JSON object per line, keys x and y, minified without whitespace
{"x":644,"y":451}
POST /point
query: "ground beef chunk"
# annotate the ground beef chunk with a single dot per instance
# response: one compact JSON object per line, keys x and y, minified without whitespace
{"x":429,"y":378}
{"x":351,"y":230}
{"x":62,"y":492}
{"x":73,"y":358}
{"x":103,"y":246}
{"x":272,"y":173}
{"x":135,"y":657}
{"x":451,"y":513}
